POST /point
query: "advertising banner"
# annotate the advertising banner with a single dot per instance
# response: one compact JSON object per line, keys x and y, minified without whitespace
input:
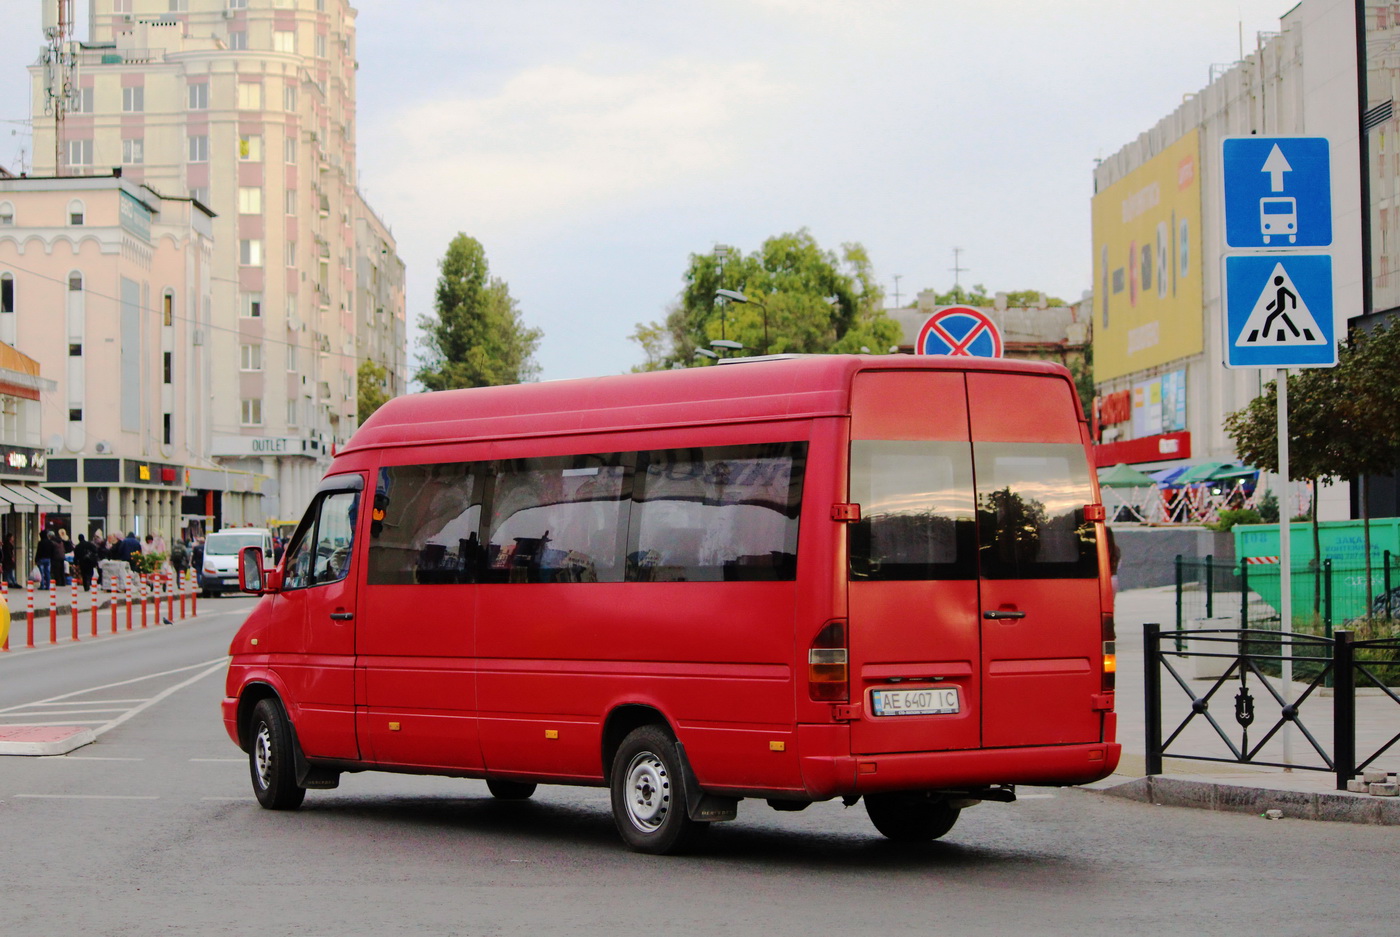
{"x":1147,"y":264}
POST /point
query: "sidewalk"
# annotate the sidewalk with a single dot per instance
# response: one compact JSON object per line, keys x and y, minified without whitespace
{"x":1297,"y":793}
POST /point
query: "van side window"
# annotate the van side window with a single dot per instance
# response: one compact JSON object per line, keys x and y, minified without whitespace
{"x":916,"y":509}
{"x":717,"y":513}
{"x":558,"y":519}
{"x":1030,"y":511}
{"x":425,"y":525}
{"x":322,"y":552}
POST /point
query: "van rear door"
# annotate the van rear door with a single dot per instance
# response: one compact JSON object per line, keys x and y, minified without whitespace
{"x":972,"y":571}
{"x":1042,"y":631}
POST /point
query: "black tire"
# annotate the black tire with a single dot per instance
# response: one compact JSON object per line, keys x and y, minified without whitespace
{"x":649,"y":796}
{"x":911,"y":816}
{"x":270,"y":760}
{"x":510,"y":790}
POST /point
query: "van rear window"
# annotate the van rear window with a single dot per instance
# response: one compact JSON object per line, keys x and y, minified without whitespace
{"x":1030,"y":511}
{"x":916,"y":510}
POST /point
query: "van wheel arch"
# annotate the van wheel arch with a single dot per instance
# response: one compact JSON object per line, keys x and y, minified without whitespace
{"x":252,"y":695}
{"x":622,"y":722}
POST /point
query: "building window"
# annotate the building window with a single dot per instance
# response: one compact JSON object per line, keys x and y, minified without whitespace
{"x":133,"y":99}
{"x":250,"y":252}
{"x":238,"y":4}
{"x":75,"y":414}
{"x":250,"y":147}
{"x":83,"y":104}
{"x":199,"y":96}
{"x":238,"y":41}
{"x":284,"y":40}
{"x":292,"y":412}
{"x":252,"y":305}
{"x":289,"y":150}
{"x":7,"y":293}
{"x":289,"y":98}
{"x":251,"y":408}
{"x":250,"y":200}
{"x":168,"y":309}
{"x":291,"y":253}
{"x":250,"y":357}
{"x":250,"y":96}
{"x":7,"y":214}
{"x":320,"y":47}
{"x":291,"y":365}
{"x":75,"y":282}
{"x":168,"y":367}
{"x":289,"y":198}
{"x":79,"y":152}
{"x":199,"y":148}
{"x":75,"y":349}
{"x":200,"y":194}
{"x":179,"y":6}
{"x":77,"y":214}
{"x":167,"y":429}
{"x":133,"y":152}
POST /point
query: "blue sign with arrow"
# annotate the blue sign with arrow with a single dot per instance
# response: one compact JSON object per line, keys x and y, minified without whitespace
{"x":1278,"y":192}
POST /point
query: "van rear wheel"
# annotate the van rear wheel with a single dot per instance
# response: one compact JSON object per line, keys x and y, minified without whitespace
{"x":510,"y":790}
{"x":270,"y":760}
{"x":649,"y":796}
{"x":911,"y":816}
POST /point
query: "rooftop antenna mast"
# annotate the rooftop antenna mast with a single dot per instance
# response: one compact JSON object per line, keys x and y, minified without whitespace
{"x":897,"y":278}
{"x":957,"y":268}
{"x":60,"y":63}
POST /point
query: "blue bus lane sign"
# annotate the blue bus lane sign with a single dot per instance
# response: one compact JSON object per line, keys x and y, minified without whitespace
{"x":1279,"y":311}
{"x":1278,"y":193}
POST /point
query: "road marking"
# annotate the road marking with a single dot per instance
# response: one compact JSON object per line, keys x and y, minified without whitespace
{"x":96,"y":702}
{"x":88,"y":796}
{"x":64,"y":712}
{"x":220,"y":761}
{"x":92,"y":758}
{"x":52,"y":700}
{"x":64,"y":722}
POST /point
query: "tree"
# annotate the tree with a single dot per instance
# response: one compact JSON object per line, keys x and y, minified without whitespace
{"x":1343,"y":422}
{"x":803,"y":299}
{"x":370,"y":388}
{"x":477,"y":337}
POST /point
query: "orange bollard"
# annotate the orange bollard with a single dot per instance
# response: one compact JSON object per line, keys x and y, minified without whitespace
{"x":180,"y":586}
{"x":5,"y":596}
{"x":128,"y":603}
{"x":29,"y":612}
{"x":169,"y":583}
{"x":194,"y":595}
{"x":73,"y":605}
{"x":53,"y":612}
{"x":112,"y":597}
{"x":92,"y":606}
{"x":141,"y":594}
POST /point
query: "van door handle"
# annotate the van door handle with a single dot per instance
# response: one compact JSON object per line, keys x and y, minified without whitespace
{"x":342,"y":616}
{"x":997,"y":614}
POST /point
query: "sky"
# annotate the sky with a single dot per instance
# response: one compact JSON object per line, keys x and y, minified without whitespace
{"x":592,"y":146}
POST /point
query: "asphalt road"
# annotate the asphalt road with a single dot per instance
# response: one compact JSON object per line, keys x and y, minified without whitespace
{"x":154,"y":830}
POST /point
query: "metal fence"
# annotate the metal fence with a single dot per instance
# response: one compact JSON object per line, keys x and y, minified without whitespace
{"x":1245,"y":595}
{"x":1304,"y":692}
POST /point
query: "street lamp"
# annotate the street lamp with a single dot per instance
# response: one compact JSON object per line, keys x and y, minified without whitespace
{"x":739,"y":297}
{"x":726,"y":344}
{"x":703,"y":353}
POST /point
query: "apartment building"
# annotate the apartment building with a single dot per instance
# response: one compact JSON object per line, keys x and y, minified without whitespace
{"x":247,"y":108}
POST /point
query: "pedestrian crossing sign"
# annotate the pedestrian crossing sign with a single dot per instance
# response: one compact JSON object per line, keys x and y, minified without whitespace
{"x":1278,"y":311}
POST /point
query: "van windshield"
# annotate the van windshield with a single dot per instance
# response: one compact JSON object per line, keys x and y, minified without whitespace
{"x":229,"y":544}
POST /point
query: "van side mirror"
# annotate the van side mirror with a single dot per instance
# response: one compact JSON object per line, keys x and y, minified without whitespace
{"x":250,"y":570}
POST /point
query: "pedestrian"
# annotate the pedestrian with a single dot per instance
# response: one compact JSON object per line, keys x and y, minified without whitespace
{"x":85,"y":555}
{"x":43,"y":558}
{"x":8,"y":560}
{"x":65,"y":553}
{"x":116,"y":548}
{"x":179,"y":556}
{"x":131,"y":548}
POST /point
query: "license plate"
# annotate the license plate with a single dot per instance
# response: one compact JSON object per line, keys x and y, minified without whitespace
{"x":915,"y":701}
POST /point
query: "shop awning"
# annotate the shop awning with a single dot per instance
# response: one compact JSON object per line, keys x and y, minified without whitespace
{"x":33,"y":498}
{"x":9,"y":501}
{"x":54,"y":499}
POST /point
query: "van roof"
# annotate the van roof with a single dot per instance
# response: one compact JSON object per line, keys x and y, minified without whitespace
{"x":763,"y":389}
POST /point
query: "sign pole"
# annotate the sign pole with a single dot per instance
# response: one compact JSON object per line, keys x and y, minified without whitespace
{"x":1285,"y":559}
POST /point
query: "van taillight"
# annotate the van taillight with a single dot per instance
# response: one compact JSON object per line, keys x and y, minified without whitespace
{"x":827,"y":673}
{"x":1110,"y":654}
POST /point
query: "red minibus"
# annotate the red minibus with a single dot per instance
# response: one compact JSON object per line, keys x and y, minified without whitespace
{"x":790,"y":579}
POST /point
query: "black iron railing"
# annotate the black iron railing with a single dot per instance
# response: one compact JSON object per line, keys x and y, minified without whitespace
{"x":1192,"y":715}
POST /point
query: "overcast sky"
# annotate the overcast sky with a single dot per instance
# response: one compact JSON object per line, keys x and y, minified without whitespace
{"x":593,"y":145}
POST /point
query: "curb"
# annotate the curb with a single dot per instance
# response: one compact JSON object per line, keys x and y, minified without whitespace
{"x":43,"y":740}
{"x":1340,"y":806}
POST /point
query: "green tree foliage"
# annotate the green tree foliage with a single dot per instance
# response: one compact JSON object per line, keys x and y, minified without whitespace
{"x":477,"y":338}
{"x":370,"y":388}
{"x":804,"y":300}
{"x":1343,"y":422}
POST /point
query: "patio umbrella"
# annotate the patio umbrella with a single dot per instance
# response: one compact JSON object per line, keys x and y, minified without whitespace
{"x":1206,"y":471}
{"x":1169,"y":478}
{"x":1123,"y":475}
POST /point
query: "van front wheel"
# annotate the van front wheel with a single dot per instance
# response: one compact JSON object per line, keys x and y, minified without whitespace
{"x":648,"y":794}
{"x":911,"y":816}
{"x":270,"y":760}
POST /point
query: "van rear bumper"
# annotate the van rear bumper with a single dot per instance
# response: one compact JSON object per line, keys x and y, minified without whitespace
{"x":830,"y":770}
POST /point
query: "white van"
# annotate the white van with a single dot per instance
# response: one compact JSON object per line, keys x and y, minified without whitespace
{"x":218,"y":569}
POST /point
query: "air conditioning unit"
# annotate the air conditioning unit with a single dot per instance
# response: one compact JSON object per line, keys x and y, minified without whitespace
{"x":228,"y":14}
{"x":104,"y":448}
